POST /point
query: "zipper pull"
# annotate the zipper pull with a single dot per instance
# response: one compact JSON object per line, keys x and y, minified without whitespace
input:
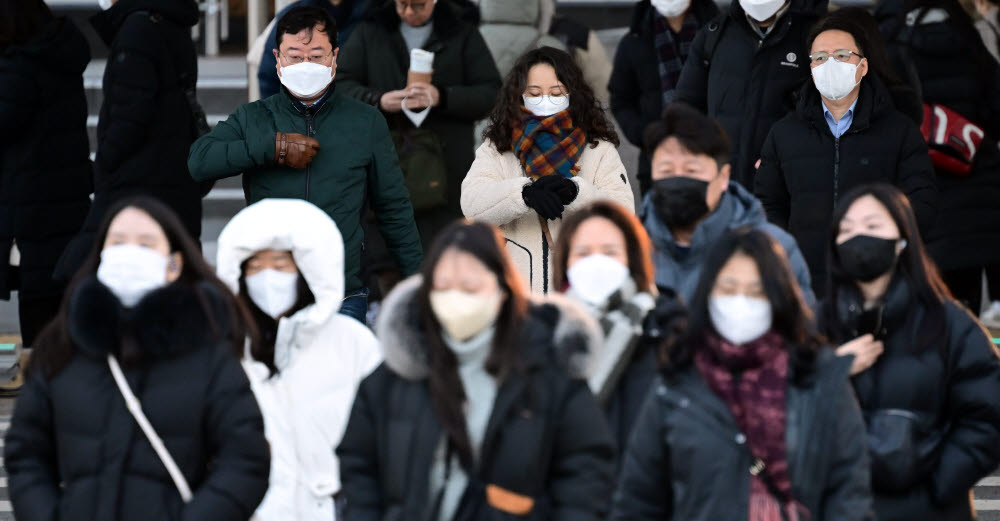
{"x":757,"y":467}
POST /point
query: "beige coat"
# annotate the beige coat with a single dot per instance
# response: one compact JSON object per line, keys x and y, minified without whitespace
{"x":491,"y":193}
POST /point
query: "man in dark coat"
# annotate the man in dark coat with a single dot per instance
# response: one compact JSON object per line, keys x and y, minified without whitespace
{"x":45,"y":173}
{"x":820,"y":152}
{"x":744,"y":73}
{"x":146,"y":124}
{"x":373,"y":68}
{"x":347,"y":13}
{"x":641,"y":72}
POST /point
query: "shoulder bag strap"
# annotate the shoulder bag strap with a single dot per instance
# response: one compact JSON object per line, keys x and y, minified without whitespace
{"x":134,"y":407}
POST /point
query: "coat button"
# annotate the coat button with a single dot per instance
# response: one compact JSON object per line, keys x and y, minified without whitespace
{"x":661,"y":390}
{"x":740,"y":438}
{"x":685,"y":402}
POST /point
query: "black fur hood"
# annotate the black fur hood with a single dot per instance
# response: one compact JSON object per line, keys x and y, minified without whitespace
{"x":557,"y":328}
{"x":167,"y":322}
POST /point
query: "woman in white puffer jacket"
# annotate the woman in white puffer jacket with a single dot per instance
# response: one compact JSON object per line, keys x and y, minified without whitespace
{"x":284,"y":258}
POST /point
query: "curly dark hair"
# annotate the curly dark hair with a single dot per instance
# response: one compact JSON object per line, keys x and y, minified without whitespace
{"x":586,"y":110}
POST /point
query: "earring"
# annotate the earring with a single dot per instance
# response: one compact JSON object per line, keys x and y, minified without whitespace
{"x":172,"y":266}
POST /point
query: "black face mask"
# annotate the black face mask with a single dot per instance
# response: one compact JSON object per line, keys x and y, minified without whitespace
{"x":680,"y":201}
{"x":866,"y":258}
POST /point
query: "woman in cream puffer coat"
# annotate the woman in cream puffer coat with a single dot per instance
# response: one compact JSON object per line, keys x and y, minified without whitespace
{"x":497,"y":189}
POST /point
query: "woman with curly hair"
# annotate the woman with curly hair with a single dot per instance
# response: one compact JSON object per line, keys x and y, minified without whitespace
{"x":548,"y":150}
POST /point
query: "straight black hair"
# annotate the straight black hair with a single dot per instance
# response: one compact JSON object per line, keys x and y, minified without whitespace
{"x":792,"y":317}
{"x":54,"y":348}
{"x":863,"y":27}
{"x":21,"y":20}
{"x":487,"y":245}
{"x":914,"y":266}
{"x":305,"y":17}
{"x":698,"y":133}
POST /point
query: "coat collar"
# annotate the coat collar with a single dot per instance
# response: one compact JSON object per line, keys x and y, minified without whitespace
{"x":557,"y":331}
{"x":874,"y":102}
{"x":167,"y":322}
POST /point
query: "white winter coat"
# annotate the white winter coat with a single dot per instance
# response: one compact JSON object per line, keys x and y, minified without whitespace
{"x":491,"y":193}
{"x":322,"y":357}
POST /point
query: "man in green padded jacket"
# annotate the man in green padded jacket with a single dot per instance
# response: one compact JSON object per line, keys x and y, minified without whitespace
{"x":309,"y":142}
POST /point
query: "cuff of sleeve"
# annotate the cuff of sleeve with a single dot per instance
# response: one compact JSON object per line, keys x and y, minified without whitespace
{"x":443,"y":98}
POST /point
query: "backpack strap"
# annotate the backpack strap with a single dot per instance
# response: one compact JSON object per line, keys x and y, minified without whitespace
{"x":715,"y":28}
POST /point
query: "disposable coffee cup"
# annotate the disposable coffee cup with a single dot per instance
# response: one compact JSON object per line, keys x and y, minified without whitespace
{"x":421,"y":67}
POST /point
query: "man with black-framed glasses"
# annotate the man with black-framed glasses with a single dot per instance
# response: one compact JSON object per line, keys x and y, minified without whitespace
{"x":845,"y":132}
{"x":313,"y":143}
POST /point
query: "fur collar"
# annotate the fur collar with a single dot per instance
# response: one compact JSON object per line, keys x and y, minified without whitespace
{"x":165,"y":323}
{"x":557,"y":330}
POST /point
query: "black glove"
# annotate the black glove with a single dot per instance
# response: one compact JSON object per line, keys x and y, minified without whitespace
{"x":564,"y":187}
{"x":545,"y":202}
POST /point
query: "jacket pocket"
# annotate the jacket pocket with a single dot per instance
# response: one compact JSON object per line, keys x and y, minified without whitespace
{"x":904,"y":446}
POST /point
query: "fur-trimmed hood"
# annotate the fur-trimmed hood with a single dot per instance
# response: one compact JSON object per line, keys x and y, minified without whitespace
{"x":557,"y":329}
{"x":297,"y":226}
{"x":167,"y":322}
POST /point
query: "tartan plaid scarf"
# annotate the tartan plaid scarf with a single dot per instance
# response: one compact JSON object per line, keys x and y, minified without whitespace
{"x":672,"y":49}
{"x":757,"y":401}
{"x":549,"y":145}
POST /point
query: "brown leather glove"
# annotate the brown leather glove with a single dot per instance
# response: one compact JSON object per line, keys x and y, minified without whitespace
{"x":294,"y":150}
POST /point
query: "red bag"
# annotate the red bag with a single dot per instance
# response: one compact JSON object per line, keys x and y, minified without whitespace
{"x":952,"y":140}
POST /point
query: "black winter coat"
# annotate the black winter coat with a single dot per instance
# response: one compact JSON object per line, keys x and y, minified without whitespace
{"x":688,"y":459}
{"x":966,"y":232}
{"x":545,"y":439}
{"x":74,"y":452}
{"x":145,"y":128}
{"x":45,"y":172}
{"x":956,"y":385}
{"x":749,"y":83}
{"x":636,"y":93}
{"x":375,"y":61}
{"x":804,"y":170}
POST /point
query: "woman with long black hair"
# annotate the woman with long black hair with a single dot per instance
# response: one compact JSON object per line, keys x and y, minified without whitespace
{"x":751,"y":419}
{"x":925,"y":372}
{"x":549,"y":151}
{"x":144,"y":319}
{"x":481,"y":410}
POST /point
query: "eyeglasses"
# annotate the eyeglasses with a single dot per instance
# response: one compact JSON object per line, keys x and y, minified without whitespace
{"x":843,"y":55}
{"x":534,"y":101}
{"x":416,"y":7}
{"x":295,"y":60}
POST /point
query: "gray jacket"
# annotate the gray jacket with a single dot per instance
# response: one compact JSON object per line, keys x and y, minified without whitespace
{"x":680,"y":269}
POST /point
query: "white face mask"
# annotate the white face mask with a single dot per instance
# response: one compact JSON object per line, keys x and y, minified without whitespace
{"x":132,"y":271}
{"x":761,"y":10}
{"x":835,"y":79}
{"x":417,"y":117}
{"x":274,"y":292}
{"x":306,"y":79}
{"x":740,"y":319}
{"x":671,"y":8}
{"x":464,"y":315}
{"x":596,"y":277}
{"x":545,"y":106}
{"x":104,"y":4}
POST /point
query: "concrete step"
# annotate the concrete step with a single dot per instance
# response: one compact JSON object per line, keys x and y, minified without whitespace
{"x":987,"y":498}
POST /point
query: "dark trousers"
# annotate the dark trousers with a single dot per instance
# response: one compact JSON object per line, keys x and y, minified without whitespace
{"x":966,"y":285}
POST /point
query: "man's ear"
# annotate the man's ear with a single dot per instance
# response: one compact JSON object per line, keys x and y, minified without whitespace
{"x":724,"y":174}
